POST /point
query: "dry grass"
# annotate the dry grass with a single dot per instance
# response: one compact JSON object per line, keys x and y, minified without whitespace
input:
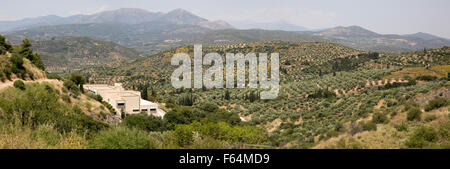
{"x":386,"y":136}
{"x":440,"y":72}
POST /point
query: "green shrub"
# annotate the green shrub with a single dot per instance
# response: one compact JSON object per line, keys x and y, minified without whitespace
{"x":414,"y":114}
{"x":369,"y":126}
{"x":422,"y":137}
{"x":401,"y":127}
{"x":19,"y":84}
{"x":220,"y":131}
{"x":39,"y":104}
{"x":144,"y":122}
{"x":122,"y":138}
{"x":436,"y":103}
{"x":379,"y":118}
{"x":95,"y":97}
{"x":430,"y":117}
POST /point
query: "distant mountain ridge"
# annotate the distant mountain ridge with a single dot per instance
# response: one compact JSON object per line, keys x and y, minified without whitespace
{"x":123,"y":15}
{"x":280,"y":25}
{"x":152,"y":32}
{"x":360,"y":38}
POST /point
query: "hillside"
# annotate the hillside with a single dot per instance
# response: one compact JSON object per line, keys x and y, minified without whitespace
{"x":72,"y":53}
{"x":325,"y":87}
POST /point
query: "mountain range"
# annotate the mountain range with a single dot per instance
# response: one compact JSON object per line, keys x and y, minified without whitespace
{"x":123,"y":15}
{"x":152,"y":32}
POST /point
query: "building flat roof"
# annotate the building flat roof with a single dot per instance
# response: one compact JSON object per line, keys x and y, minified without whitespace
{"x":147,"y":103}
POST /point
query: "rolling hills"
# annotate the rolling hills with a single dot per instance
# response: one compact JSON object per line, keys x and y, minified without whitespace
{"x":75,"y":53}
{"x":328,"y":92}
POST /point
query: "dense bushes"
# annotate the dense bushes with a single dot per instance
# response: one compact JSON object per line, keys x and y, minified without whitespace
{"x":426,"y":78}
{"x":144,"y":122}
{"x":397,"y":84}
{"x":436,"y":103}
{"x":122,"y":138}
{"x":322,"y":93}
{"x":19,"y":84}
{"x":369,"y":126}
{"x":39,"y":104}
{"x":4,"y":46}
{"x":414,"y":114}
{"x":422,"y":137}
{"x":379,"y":118}
{"x":220,"y":131}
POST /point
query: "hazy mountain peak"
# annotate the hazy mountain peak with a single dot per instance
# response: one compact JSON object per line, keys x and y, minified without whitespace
{"x":180,"y":11}
{"x":217,"y":25}
{"x":181,"y":16}
{"x":423,"y":35}
{"x":343,"y":31}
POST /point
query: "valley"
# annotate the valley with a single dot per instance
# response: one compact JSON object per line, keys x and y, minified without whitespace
{"x":343,"y":87}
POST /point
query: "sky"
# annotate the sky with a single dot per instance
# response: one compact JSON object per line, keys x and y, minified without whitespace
{"x":381,"y":16}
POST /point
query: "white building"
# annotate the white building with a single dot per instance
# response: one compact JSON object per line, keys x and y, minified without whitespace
{"x":128,"y":101}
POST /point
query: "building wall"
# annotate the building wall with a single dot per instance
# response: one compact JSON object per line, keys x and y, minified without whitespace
{"x":132,"y":102}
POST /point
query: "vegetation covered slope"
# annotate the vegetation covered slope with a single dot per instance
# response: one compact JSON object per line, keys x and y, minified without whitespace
{"x":73,"y":53}
{"x":325,"y":88}
{"x":19,"y":62}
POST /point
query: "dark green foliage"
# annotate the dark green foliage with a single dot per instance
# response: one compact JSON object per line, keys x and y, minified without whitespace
{"x":414,"y":114}
{"x":144,"y":122}
{"x":379,"y":118}
{"x":78,"y":80}
{"x":426,"y":78}
{"x":144,"y":93}
{"x":252,"y":96}
{"x":369,"y":126}
{"x":181,"y":115}
{"x":26,"y":52}
{"x":227,"y":95}
{"x":223,"y":116}
{"x":4,"y":46}
{"x":422,"y":137}
{"x":19,"y":84}
{"x":436,"y":103}
{"x":397,"y":84}
{"x":322,"y":93}
{"x":186,"y":99}
{"x":209,"y":107}
{"x":17,"y":64}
